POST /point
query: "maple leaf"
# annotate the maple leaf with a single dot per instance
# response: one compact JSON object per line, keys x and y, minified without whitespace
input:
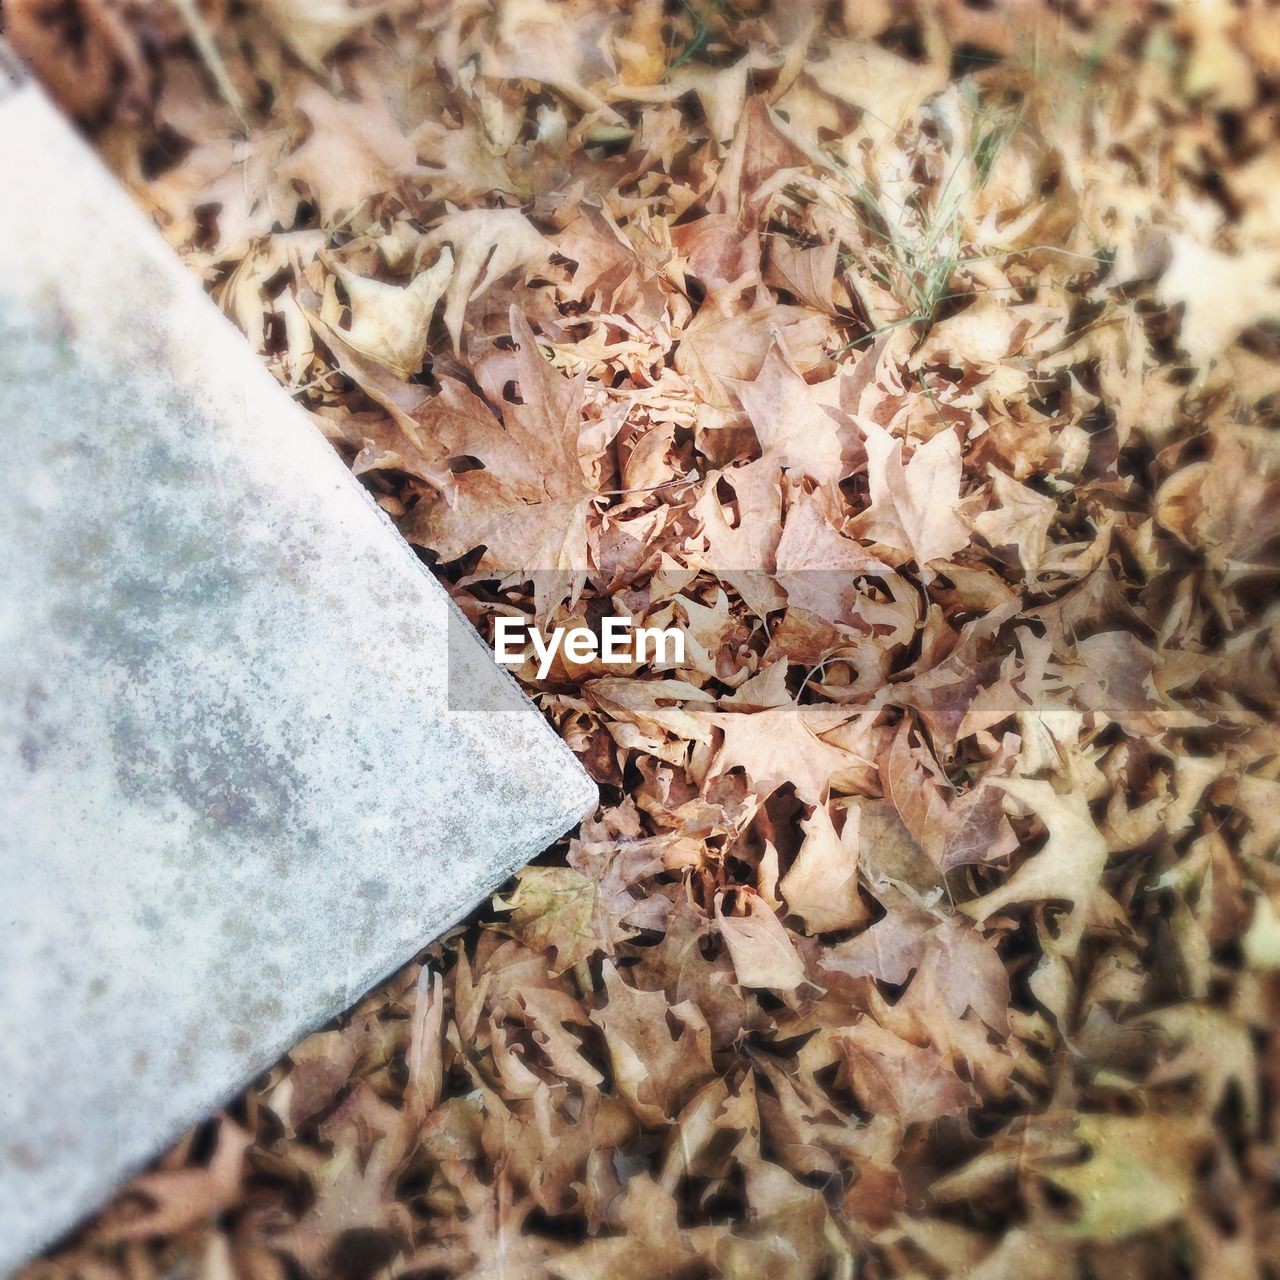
{"x":180,"y":1198}
{"x":553,"y":908}
{"x":719,"y":353}
{"x":974,"y":830}
{"x":783,"y":744}
{"x":1221,"y":294}
{"x":791,"y":421}
{"x":489,"y":1235}
{"x":810,"y":274}
{"x":1022,"y":521}
{"x":528,"y":502}
{"x":678,"y":966}
{"x":821,"y":886}
{"x":816,"y":564}
{"x":913,"y":504}
{"x":371,"y":1142}
{"x":967,"y":691}
{"x":762,"y":953}
{"x":653,"y":705}
{"x":238,"y":181}
{"x":988,"y":332}
{"x":822,"y":316}
{"x":321,"y":1066}
{"x":1213,"y":1047}
{"x":655,"y":1070}
{"x":742,"y":554}
{"x":1139,"y":1174}
{"x":650,"y":1241}
{"x":951,"y":960}
{"x":893,"y":1077}
{"x":888,"y":88}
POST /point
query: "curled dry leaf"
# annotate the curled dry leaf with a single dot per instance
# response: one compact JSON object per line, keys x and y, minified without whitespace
{"x":389,"y":323}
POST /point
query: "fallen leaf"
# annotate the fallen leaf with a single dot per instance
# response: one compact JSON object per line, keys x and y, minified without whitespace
{"x":821,"y":886}
{"x":1068,"y":868}
{"x":783,"y":744}
{"x":913,"y":503}
{"x":485,"y":244}
{"x":1221,"y":294}
{"x":910,"y":1083}
{"x":553,"y":908}
{"x":762,"y":953}
{"x":314,"y":28}
{"x":1138,"y":1174}
{"x":356,"y":150}
{"x":388,"y":322}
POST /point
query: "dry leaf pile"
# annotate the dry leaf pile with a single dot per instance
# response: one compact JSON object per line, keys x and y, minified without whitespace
{"x":919,"y":362}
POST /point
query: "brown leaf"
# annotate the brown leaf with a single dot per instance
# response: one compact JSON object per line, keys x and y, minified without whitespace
{"x":1069,"y":866}
{"x":655,"y":1067}
{"x":762,"y":953}
{"x":783,"y":744}
{"x":180,"y":1198}
{"x":821,"y":886}
{"x":553,"y":908}
{"x":356,"y":150}
{"x":913,"y":503}
{"x":485,"y":244}
{"x":791,"y":421}
{"x":892,"y":1077}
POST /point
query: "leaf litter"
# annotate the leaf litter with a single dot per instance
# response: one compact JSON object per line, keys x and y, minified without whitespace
{"x":919,"y":361}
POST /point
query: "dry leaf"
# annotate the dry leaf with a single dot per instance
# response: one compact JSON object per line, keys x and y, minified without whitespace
{"x":913,"y":504}
{"x":762,"y":953}
{"x":486,"y":244}
{"x":389,"y":323}
{"x":821,"y":886}
{"x":314,"y":28}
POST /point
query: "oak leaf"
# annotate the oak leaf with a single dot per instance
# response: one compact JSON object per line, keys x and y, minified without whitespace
{"x":1068,"y":868}
{"x":784,"y":744}
{"x":485,"y":244}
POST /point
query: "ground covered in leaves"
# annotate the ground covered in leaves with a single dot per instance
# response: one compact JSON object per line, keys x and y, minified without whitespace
{"x":919,"y":362}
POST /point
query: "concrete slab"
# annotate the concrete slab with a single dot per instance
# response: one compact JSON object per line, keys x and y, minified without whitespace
{"x":233,"y":794}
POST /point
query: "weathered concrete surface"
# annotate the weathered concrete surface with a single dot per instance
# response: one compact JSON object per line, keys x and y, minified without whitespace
{"x":232,"y":792}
